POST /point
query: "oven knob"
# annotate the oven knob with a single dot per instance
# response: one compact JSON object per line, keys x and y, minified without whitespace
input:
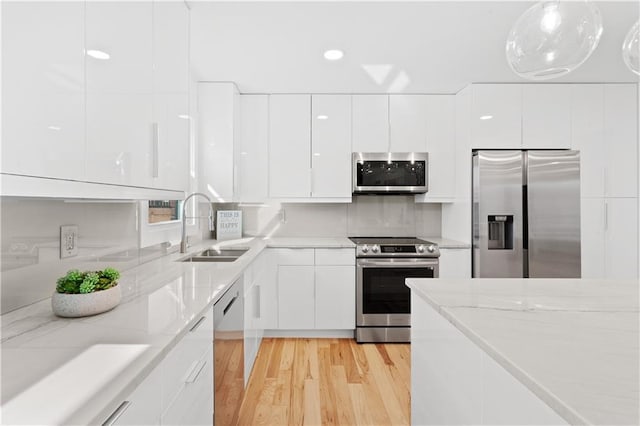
{"x":420,"y":249}
{"x":374,"y":249}
{"x":431,"y":248}
{"x":365,"y":249}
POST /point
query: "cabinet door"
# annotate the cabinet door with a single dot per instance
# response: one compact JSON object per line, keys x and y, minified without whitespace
{"x":335,"y":297}
{"x":621,"y":238}
{"x":408,"y":115}
{"x":621,"y":140}
{"x":252,"y":151}
{"x":296,"y":298}
{"x":170,"y":158}
{"x":592,"y":238}
{"x":455,"y":263}
{"x":546,"y":116}
{"x":218,"y":110}
{"x":587,"y":132}
{"x":144,"y":402}
{"x":119,"y":97}
{"x":289,"y":146}
{"x":331,"y":145}
{"x":370,"y":123}
{"x":43,"y":89}
{"x":441,"y":146}
{"x":496,"y":114}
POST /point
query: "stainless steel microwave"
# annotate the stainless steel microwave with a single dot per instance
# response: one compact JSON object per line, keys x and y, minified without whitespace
{"x":390,"y":172}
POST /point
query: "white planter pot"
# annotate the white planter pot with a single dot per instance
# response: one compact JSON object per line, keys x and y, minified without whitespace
{"x":82,"y":305}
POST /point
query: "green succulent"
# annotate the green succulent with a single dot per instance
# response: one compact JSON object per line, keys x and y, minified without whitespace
{"x":75,"y":282}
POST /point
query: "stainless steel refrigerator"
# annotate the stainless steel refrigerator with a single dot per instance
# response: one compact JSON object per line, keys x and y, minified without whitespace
{"x":526,"y":214}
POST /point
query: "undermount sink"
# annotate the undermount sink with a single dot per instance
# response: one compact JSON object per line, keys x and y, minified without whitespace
{"x":217,"y":255}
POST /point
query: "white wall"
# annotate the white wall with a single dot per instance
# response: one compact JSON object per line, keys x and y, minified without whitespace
{"x":30,"y":243}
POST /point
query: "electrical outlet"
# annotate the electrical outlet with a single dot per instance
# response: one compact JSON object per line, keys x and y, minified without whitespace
{"x":68,"y":241}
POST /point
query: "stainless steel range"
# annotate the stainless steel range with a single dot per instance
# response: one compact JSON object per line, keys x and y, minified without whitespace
{"x":383,"y":301}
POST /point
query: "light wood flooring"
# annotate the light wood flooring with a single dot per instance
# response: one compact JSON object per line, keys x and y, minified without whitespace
{"x":328,"y":382}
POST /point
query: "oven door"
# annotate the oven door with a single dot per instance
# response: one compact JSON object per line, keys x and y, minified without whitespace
{"x":382,"y":298}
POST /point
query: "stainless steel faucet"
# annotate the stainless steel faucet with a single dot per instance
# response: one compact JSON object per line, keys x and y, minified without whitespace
{"x":183,"y":239}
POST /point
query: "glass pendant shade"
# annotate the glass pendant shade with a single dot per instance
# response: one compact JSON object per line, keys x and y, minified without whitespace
{"x":553,"y":38}
{"x":631,"y":48}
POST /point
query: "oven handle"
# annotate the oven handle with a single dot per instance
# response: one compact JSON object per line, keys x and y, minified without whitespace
{"x":398,"y":262}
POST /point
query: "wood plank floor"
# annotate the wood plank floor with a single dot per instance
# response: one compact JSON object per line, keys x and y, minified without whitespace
{"x":328,"y":382}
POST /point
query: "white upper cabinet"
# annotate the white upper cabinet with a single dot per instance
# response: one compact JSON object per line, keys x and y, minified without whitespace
{"x":587,"y":133}
{"x":43,"y":89}
{"x":546,"y":116}
{"x":441,"y":146}
{"x":218,"y":118}
{"x":119,"y":101}
{"x":408,"y":116}
{"x":253,"y":151}
{"x":621,"y":140}
{"x":331,"y":146}
{"x":370,"y":123}
{"x":170,"y":158}
{"x":289,"y":146}
{"x":496,"y":115}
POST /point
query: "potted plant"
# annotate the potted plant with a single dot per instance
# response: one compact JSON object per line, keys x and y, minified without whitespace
{"x":80,"y":294}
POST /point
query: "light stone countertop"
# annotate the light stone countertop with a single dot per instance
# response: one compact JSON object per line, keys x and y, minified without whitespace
{"x":572,"y":342}
{"x":77,"y":371}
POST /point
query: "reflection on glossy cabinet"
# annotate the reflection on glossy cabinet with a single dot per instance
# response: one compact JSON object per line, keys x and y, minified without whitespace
{"x":546,"y":116}
{"x":119,"y":97}
{"x":408,"y":122}
{"x":330,"y":146}
{"x":252,"y":153}
{"x":496,"y":114}
{"x":219,"y":115}
{"x":296,"y":298}
{"x":592,"y":229}
{"x":370,"y":123}
{"x":143,"y":404}
{"x":289,"y":146}
{"x":441,"y":146}
{"x":335,"y":297}
{"x":621,"y":238}
{"x":43,"y":89}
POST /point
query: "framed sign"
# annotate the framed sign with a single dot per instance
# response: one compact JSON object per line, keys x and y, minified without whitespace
{"x":229,"y":225}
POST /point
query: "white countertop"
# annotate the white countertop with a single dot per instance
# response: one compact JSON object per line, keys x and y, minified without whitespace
{"x":52,"y":367}
{"x":309,"y":242}
{"x":574,"y":343}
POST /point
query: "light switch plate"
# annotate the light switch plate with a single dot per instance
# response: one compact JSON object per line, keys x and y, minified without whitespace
{"x":68,"y":241}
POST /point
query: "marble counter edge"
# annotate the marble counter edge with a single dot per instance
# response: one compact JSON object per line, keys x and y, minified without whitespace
{"x":548,"y":397}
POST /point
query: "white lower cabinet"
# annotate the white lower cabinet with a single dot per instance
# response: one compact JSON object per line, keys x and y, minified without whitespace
{"x":179,"y":391}
{"x":453,"y":381}
{"x":316,"y":289}
{"x":296,"y":298}
{"x":254,"y":281}
{"x":455,"y":263}
{"x":335,"y":297}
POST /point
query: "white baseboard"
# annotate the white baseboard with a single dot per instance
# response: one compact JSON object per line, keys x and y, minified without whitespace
{"x":314,"y":334}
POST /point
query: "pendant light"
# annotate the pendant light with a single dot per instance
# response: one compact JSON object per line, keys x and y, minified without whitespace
{"x":631,"y":48}
{"x":553,"y":38}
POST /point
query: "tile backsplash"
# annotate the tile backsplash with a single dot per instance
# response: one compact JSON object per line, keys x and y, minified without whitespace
{"x":30,"y":243}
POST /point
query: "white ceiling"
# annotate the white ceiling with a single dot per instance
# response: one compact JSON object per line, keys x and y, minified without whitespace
{"x":390,"y":47}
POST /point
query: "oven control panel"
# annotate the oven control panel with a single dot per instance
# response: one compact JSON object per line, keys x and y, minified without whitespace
{"x":397,"y":250}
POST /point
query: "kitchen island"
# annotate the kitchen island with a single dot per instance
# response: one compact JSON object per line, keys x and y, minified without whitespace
{"x":525,"y":351}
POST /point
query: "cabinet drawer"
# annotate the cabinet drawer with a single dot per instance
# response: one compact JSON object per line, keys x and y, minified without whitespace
{"x":295,"y":256}
{"x":194,"y":405}
{"x":178,"y":364}
{"x":335,"y":257}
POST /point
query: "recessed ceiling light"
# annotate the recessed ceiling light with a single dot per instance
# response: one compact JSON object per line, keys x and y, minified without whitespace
{"x":322,"y":117}
{"x":184,"y":117}
{"x":333,"y":55}
{"x":56,"y":128}
{"x":486,"y":117}
{"x":98,"y":54}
